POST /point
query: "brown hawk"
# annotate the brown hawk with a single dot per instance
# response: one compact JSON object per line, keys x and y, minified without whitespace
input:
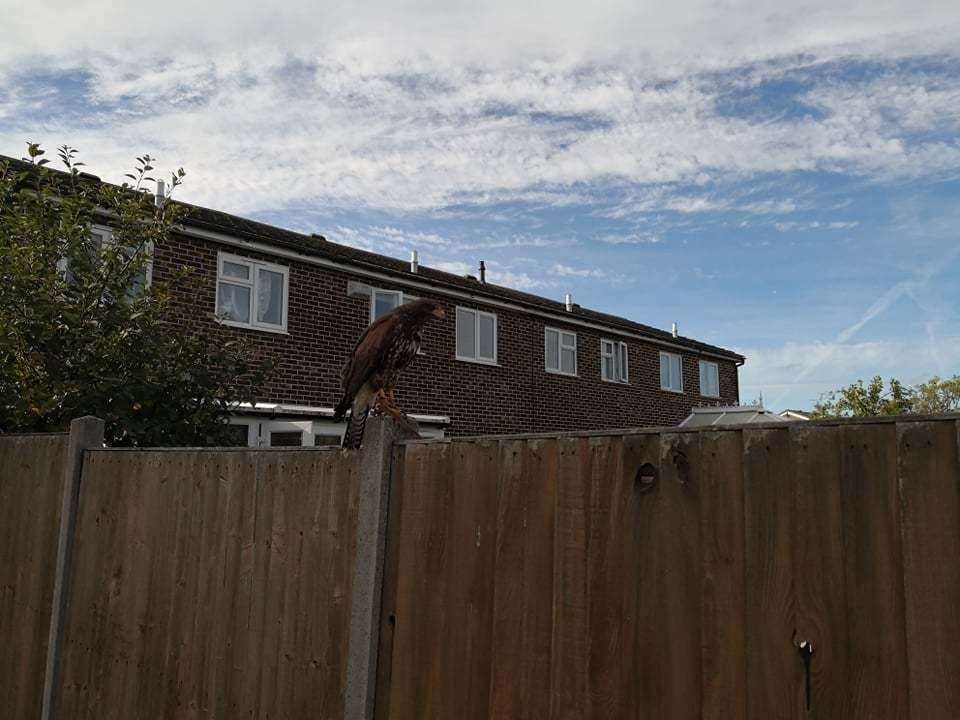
{"x":370,"y":375}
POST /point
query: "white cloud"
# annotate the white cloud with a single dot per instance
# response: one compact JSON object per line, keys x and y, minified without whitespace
{"x":497,"y":275}
{"x":562,"y":270}
{"x":415,"y":107}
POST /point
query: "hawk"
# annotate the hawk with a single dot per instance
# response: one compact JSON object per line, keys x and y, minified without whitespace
{"x":371,"y":373}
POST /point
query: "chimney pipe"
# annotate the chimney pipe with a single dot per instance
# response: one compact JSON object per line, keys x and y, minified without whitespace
{"x":161,"y":193}
{"x":568,"y":301}
{"x":673,"y":329}
{"x":483,"y":272}
{"x":414,"y":261}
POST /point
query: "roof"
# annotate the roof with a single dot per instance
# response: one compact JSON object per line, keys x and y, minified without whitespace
{"x":731,"y":415}
{"x":317,"y":246}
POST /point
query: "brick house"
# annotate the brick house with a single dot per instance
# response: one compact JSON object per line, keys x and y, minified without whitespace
{"x":502,"y":361}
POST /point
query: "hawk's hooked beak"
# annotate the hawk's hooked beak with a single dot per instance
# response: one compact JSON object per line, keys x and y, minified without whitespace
{"x":439,"y":313}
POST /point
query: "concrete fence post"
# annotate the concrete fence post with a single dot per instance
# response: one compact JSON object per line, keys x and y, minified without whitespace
{"x":374,"y":498}
{"x":85,"y":433}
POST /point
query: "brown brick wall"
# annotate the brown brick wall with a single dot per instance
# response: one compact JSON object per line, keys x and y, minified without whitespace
{"x":516,"y":395}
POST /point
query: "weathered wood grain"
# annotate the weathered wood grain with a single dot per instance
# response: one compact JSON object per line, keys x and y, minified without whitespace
{"x":723,"y":613}
{"x":210,"y":584}
{"x":31,"y":486}
{"x":929,"y":472}
{"x":877,"y":678}
{"x":820,"y":568}
{"x":774,"y":668}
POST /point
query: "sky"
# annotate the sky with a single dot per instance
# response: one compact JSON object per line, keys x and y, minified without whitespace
{"x":782,"y":179}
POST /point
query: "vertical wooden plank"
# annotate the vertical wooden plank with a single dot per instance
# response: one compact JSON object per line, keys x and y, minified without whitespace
{"x":509,"y":601}
{"x":820,"y":568}
{"x":723,"y":618}
{"x":472,"y":545}
{"x":877,"y":677}
{"x":929,"y":472}
{"x":642,"y":677}
{"x":31,"y":493}
{"x":570,"y":619}
{"x":774,"y":668}
{"x":421,"y":618}
{"x":541,"y":463}
{"x":678,"y":540}
{"x":605,"y":567}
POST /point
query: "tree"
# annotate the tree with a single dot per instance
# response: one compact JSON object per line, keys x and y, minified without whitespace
{"x":937,"y":396}
{"x":81,"y":332}
{"x":859,"y":400}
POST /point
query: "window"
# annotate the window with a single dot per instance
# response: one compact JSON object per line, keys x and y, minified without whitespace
{"x":560,"y":351}
{"x":613,"y":361}
{"x":286,"y":438}
{"x":671,"y":375}
{"x":251,"y":293}
{"x":476,"y":336}
{"x":709,"y":379}
{"x":101,"y":238}
{"x":383,"y":301}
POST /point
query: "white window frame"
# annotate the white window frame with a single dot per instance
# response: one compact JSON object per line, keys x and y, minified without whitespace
{"x":618,"y":352}
{"x":255,"y":266}
{"x":680,"y":363}
{"x":476,"y":336}
{"x":560,"y":333}
{"x":106,"y":234}
{"x":373,"y":299}
{"x":716,"y":370}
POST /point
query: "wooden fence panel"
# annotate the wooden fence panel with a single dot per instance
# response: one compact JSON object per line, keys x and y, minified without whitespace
{"x":31,"y":486}
{"x":774,"y":668}
{"x":930,"y":499}
{"x":820,"y":569}
{"x":877,"y":677}
{"x":210,"y":584}
{"x":723,"y":615}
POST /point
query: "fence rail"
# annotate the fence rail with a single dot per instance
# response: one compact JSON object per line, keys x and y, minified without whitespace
{"x":631,"y":574}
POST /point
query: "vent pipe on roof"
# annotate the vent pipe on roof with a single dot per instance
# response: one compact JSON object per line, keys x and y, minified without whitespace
{"x":483,"y":272}
{"x":161,"y":193}
{"x":568,"y":301}
{"x":673,"y":329}
{"x":414,"y":261}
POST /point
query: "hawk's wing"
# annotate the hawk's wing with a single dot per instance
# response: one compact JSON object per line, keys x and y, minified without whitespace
{"x":370,"y":353}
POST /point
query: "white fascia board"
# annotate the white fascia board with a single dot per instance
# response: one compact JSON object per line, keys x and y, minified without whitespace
{"x":261,"y":408}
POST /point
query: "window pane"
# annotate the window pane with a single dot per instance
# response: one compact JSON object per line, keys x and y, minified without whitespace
{"x":568,"y":360}
{"x":568,"y":340}
{"x":486,"y":329}
{"x":665,"y":372}
{"x":286,"y":438}
{"x":606,"y":364}
{"x":233,"y":302}
{"x":552,"y":350}
{"x":709,"y":379}
{"x":623,"y":362}
{"x":675,"y":376}
{"x":384,"y":302}
{"x":270,"y":297}
{"x":466,"y":334}
{"x":236,"y":270}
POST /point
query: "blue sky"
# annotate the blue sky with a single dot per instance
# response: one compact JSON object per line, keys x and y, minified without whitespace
{"x":779,"y":179}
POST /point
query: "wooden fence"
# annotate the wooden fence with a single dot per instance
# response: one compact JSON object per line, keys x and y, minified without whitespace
{"x":678,"y":575}
{"x":635,"y":574}
{"x":31,"y":484}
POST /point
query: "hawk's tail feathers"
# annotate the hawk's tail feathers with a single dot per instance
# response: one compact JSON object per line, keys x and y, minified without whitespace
{"x":341,"y":410}
{"x":353,"y":435}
